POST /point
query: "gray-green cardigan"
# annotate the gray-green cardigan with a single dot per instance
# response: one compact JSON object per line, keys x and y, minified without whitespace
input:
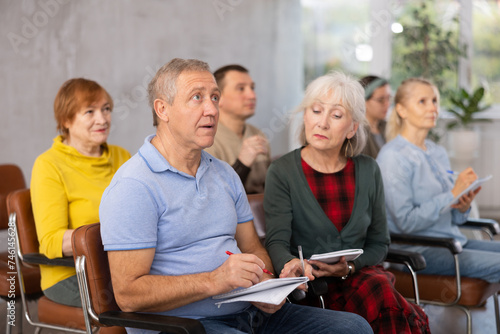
{"x":294,"y":216}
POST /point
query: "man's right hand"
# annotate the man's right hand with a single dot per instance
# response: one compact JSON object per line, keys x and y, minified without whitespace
{"x":244,"y":270}
{"x":251,"y":148}
{"x":239,"y":270}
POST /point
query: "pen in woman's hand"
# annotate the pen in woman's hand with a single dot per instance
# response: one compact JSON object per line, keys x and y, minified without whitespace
{"x":301,"y":257}
{"x":264,"y":270}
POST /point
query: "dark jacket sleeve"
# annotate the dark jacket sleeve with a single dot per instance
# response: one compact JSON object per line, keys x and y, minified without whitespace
{"x":377,"y":237}
{"x":278,"y":212}
{"x":241,"y":170}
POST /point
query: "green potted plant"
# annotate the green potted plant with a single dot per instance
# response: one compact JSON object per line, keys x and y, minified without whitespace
{"x":463,"y":139}
{"x":426,"y":47}
{"x":465,"y":107}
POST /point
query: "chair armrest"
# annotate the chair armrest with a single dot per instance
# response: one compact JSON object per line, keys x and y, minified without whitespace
{"x":489,"y":224}
{"x":415,"y":260}
{"x":318,"y":287}
{"x":453,"y":245}
{"x":154,"y":322}
{"x":37,"y":258}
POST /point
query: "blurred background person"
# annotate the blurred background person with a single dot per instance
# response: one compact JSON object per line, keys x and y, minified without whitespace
{"x":378,"y":100}
{"x":69,"y":178}
{"x":238,"y":143}
{"x":419,"y":187}
{"x":327,"y":197}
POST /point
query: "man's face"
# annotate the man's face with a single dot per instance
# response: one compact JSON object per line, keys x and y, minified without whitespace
{"x":238,"y":95}
{"x":193,"y":116}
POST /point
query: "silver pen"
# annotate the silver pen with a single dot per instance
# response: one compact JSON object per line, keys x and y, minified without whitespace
{"x":301,"y":257}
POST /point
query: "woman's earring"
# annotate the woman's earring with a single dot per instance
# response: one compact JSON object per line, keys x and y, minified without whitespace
{"x":348,"y":145}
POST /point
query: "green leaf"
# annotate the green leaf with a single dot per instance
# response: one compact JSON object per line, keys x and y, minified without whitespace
{"x":464,"y":94}
{"x":478,"y":95}
{"x":452,"y":125}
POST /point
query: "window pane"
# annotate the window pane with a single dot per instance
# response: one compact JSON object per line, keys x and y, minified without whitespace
{"x":335,"y":36}
{"x":486,"y":48}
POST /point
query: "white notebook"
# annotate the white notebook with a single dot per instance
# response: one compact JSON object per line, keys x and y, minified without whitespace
{"x":473,"y":186}
{"x":271,"y":291}
{"x":334,"y":257}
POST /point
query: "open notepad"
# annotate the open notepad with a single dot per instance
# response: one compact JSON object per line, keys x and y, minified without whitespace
{"x":271,"y":291}
{"x":473,"y":186}
{"x":334,"y":257}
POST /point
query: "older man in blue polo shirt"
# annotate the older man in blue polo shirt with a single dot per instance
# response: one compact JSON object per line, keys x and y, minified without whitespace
{"x":172,"y":211}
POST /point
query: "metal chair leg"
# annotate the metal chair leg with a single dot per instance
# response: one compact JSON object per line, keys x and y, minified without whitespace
{"x":497,"y":316}
{"x":19,"y":320}
{"x":8,"y":328}
{"x":469,"y":317}
{"x":322,"y":301}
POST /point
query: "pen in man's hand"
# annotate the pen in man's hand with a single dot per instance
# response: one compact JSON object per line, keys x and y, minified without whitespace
{"x":264,"y":270}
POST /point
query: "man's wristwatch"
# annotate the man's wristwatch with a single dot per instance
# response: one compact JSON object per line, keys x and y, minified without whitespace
{"x":349,"y":265}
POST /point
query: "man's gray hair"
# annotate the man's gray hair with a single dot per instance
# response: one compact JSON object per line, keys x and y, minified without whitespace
{"x":163,"y":85}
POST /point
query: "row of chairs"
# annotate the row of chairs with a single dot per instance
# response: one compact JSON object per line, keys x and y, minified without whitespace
{"x":457,"y":291}
{"x":91,"y":263}
{"x":100,"y":308}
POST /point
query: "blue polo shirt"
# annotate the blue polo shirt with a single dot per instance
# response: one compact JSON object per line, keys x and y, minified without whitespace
{"x":190,"y":220}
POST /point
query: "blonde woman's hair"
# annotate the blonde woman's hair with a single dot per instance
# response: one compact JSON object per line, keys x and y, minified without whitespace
{"x":345,"y":88}
{"x":405,"y":90}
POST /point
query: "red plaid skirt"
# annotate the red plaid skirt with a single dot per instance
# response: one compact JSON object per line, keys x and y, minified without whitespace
{"x":370,"y":293}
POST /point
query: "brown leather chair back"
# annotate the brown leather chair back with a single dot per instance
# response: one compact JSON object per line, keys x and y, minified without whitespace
{"x":11,"y":178}
{"x":87,"y":241}
{"x":49,"y":312}
{"x":19,"y":202}
{"x":256,"y":202}
{"x":440,"y":288}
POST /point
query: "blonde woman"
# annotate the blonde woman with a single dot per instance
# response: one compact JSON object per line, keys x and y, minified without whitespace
{"x":418,"y":186}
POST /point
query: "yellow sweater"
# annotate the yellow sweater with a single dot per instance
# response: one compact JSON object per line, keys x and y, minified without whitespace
{"x":66,"y":189}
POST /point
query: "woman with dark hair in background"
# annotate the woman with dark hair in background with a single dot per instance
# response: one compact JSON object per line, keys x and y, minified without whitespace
{"x":378,"y":100}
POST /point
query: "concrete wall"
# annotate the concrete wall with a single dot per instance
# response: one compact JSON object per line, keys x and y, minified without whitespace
{"x":121,"y":44}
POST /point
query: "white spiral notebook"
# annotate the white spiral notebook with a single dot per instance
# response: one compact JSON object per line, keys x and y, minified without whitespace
{"x":271,"y":291}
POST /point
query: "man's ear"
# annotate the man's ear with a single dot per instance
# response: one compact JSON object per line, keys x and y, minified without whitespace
{"x":221,"y":101}
{"x":161,"y":109}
